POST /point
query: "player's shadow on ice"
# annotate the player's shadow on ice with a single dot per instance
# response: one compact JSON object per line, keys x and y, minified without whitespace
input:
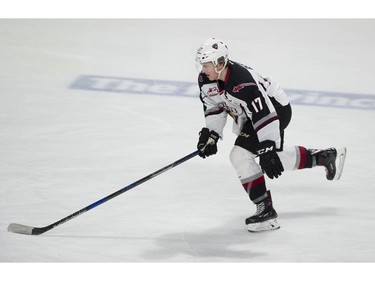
{"x":227,"y":243}
{"x":224,"y":243}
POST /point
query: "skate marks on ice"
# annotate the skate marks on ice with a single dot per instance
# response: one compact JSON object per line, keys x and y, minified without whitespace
{"x":229,"y":242}
{"x":321,"y":212}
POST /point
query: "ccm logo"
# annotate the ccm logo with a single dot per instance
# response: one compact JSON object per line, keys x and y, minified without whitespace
{"x":265,"y":150}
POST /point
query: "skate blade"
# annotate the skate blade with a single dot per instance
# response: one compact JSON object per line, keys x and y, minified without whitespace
{"x":263,"y":226}
{"x":340,"y":161}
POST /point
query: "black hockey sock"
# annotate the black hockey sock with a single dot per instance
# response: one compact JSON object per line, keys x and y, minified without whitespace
{"x":256,"y":187}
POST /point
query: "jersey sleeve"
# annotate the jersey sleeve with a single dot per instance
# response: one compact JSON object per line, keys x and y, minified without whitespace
{"x":215,"y":115}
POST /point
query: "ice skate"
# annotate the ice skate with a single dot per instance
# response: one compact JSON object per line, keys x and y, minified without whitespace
{"x":264,"y":218}
{"x":333,"y":160}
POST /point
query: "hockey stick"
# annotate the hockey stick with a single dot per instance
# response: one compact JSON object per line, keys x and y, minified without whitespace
{"x":30,"y":230}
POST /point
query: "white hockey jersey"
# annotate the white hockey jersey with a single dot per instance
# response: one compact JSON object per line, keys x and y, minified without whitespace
{"x":245,"y":96}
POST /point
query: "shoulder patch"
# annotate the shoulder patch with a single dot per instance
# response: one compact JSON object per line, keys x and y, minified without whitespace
{"x":239,"y":87}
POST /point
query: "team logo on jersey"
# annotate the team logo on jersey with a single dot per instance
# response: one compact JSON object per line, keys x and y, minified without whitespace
{"x":212,"y":92}
{"x":239,"y":87}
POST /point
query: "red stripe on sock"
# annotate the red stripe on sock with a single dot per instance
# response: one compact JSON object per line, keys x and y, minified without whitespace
{"x":302,"y":152}
{"x":248,"y":185}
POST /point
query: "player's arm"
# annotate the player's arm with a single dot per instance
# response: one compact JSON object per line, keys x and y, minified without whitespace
{"x":215,"y":119}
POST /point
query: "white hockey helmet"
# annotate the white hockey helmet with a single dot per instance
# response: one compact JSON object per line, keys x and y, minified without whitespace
{"x":213,"y":50}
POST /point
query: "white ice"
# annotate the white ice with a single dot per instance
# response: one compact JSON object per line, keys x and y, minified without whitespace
{"x":62,"y":149}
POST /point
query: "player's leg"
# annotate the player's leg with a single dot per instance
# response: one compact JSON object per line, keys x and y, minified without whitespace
{"x":252,"y":179}
{"x":299,"y":157}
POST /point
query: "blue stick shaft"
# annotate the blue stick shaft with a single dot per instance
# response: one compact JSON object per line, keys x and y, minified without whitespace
{"x":40,"y":230}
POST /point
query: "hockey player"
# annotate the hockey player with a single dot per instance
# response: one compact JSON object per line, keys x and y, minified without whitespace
{"x":261,"y":112}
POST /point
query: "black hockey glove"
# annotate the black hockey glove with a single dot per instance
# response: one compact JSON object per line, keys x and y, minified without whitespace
{"x":207,"y":142}
{"x":269,"y":160}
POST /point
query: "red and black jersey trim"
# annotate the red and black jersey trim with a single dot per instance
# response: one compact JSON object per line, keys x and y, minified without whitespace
{"x":213,"y":112}
{"x":265,"y":121}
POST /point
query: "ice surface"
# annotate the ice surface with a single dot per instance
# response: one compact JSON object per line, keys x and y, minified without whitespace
{"x":62,"y":149}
